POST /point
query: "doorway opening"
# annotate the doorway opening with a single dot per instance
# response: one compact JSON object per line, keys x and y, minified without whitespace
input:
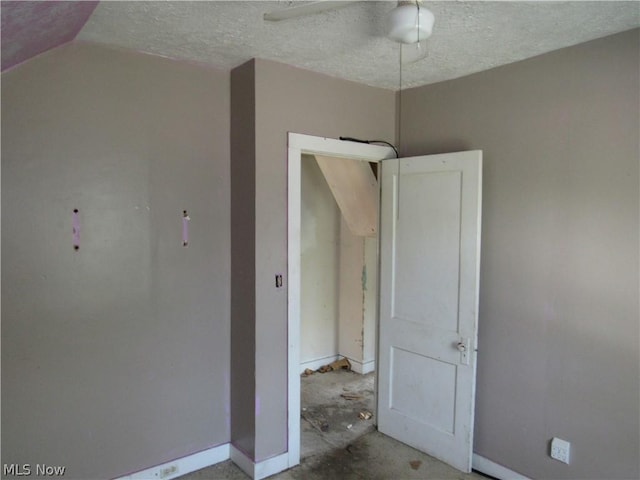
{"x":429,"y":252}
{"x":338,"y":301}
{"x":332,"y":300}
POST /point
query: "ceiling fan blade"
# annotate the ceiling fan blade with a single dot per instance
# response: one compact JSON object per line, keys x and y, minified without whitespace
{"x":306,"y":9}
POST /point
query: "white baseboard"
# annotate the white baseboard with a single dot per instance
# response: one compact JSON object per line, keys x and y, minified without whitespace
{"x":318,"y":362}
{"x":241,"y":460}
{"x":259,"y":470}
{"x":356,"y":366}
{"x":486,"y":466}
{"x":271,"y":466}
{"x":363,"y":367}
{"x":184,"y":465}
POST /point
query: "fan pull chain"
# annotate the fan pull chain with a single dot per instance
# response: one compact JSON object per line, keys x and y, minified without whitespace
{"x":399,"y":140}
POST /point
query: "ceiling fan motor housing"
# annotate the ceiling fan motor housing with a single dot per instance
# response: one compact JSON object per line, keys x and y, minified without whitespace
{"x":410,"y":22}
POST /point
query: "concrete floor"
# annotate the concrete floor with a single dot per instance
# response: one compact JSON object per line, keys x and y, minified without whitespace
{"x":336,"y":398}
{"x":357,"y":452}
{"x":373,"y":456}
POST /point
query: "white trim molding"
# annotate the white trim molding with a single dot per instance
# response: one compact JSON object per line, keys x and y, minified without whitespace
{"x":262,"y":469}
{"x":299,"y":144}
{"x":362,"y":367}
{"x":318,"y":362}
{"x":488,"y":467}
{"x":331,"y":147}
{"x":182,"y":466}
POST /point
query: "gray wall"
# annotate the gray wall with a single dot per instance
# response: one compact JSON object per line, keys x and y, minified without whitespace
{"x":243,"y":243}
{"x":293,"y":100}
{"x":114,"y":357}
{"x":558,"y":341}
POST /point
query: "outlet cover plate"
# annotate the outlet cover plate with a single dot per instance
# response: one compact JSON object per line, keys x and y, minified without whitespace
{"x":560,"y":450}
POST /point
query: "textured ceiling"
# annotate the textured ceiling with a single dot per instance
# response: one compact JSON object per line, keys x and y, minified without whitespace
{"x":30,"y":28}
{"x":350,"y":43}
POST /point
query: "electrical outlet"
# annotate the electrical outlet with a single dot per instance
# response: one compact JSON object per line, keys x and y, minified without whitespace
{"x":560,"y":450}
{"x":171,"y":470}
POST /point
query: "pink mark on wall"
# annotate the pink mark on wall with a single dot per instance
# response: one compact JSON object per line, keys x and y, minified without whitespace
{"x":185,"y":228}
{"x":31,"y":28}
{"x":76,"y":229}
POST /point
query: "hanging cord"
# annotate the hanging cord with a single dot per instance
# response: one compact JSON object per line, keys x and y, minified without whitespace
{"x":399,"y":136}
{"x":357,"y":140}
{"x":400,"y":114}
{"x":400,"y":107}
{"x":400,"y":101}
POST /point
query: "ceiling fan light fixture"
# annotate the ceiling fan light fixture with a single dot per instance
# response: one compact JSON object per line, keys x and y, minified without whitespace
{"x":410,"y":23}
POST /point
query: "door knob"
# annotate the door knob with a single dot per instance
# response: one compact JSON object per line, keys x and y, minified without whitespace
{"x":464,"y":347}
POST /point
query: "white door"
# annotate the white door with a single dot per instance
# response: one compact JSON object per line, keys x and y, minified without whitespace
{"x":429,"y":275}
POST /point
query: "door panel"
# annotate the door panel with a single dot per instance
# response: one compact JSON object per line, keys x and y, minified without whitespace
{"x":429,"y":265}
{"x":431,"y":225}
{"x":406,"y":369}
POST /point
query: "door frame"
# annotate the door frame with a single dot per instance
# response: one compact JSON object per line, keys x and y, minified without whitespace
{"x":299,"y":144}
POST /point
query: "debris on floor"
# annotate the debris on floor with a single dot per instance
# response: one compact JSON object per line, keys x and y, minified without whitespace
{"x":343,"y":363}
{"x":373,"y":456}
{"x":365,"y":415}
{"x":321,"y":396}
{"x":317,"y":421}
{"x":307,"y":372}
{"x":351,"y":396}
